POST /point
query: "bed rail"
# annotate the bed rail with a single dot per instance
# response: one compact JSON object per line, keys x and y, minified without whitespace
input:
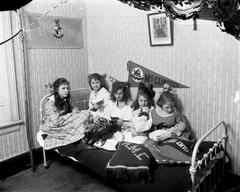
{"x":205,"y":173}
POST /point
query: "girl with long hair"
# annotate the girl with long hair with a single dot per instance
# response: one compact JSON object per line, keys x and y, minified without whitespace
{"x":99,"y":96}
{"x":62,"y":124}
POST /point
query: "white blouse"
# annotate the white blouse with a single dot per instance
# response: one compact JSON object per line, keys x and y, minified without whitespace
{"x":102,"y":94}
{"x":141,"y":123}
{"x":123,"y":112}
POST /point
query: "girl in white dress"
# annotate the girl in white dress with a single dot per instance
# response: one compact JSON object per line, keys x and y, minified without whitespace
{"x":137,"y":129}
{"x":99,"y":96}
{"x":141,"y":108}
{"x":119,"y":107}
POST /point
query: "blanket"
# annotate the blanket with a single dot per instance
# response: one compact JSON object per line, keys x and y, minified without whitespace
{"x":99,"y":131}
{"x":130,"y":162}
{"x":171,"y":151}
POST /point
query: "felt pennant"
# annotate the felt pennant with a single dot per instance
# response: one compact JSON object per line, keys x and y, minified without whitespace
{"x":138,"y":73}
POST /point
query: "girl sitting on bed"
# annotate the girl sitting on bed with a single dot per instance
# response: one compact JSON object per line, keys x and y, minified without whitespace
{"x":167,"y":121}
{"x":119,"y":107}
{"x":99,"y":96}
{"x":137,"y":129}
{"x":118,"y":110}
{"x":141,"y":108}
{"x":62,"y":124}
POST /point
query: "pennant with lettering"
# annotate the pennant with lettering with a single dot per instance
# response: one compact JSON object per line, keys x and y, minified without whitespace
{"x":138,"y":73}
{"x":53,"y":31}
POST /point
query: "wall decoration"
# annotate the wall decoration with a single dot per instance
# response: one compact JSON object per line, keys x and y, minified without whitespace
{"x":160,"y":29}
{"x":53,"y":31}
{"x":138,"y":73}
{"x":225,"y":12}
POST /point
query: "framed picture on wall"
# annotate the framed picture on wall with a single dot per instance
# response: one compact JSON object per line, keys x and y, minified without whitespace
{"x":160,"y":29}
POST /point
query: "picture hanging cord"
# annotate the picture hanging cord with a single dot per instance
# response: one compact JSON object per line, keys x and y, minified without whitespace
{"x":11,"y":37}
{"x":45,"y":14}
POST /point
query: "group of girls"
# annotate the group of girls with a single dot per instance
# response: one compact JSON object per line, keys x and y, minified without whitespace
{"x":140,"y":117}
{"x":63,"y":124}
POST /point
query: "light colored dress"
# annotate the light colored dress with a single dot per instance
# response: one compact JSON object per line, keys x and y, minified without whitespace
{"x":102,"y":94}
{"x":62,"y":129}
{"x":123,"y":112}
{"x":133,"y":131}
{"x":141,"y":123}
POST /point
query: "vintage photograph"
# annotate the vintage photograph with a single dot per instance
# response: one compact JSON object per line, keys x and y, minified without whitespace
{"x":120,"y":96}
{"x":160,"y":29}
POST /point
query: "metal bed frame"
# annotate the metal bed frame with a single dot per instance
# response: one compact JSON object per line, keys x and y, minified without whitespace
{"x":205,"y":173}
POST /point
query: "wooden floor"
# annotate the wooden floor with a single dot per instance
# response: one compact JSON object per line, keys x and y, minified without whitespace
{"x":65,"y":175}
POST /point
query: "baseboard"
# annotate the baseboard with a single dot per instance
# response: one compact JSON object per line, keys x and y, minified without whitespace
{"x":22,"y":162}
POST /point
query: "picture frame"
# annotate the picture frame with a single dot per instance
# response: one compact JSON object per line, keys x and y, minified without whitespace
{"x":160,"y":29}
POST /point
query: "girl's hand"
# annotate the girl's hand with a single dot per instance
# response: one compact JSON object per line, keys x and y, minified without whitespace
{"x":120,"y":122}
{"x":145,"y":109}
{"x":164,"y":135}
{"x":96,"y":119}
{"x":75,"y":110}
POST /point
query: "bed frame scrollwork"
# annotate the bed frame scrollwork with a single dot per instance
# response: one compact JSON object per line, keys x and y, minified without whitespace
{"x":207,"y":172}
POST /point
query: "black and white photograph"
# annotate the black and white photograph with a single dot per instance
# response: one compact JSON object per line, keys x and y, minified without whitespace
{"x":160,"y":29}
{"x":120,"y":96}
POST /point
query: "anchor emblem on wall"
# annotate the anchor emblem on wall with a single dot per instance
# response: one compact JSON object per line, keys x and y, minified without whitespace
{"x":58,"y":29}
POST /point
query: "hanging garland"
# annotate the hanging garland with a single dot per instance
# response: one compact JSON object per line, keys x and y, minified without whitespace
{"x":226,"y":11}
{"x":183,"y":9}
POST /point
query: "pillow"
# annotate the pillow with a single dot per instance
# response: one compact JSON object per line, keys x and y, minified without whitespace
{"x":130,"y":162}
{"x":171,"y":151}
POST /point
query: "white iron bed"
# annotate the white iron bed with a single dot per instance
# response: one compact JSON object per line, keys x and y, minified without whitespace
{"x":204,"y":174}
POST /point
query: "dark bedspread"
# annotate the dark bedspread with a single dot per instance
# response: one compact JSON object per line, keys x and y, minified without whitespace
{"x":165,"y":178}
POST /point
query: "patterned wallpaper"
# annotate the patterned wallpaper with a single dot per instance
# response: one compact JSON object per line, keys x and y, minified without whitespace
{"x":206,"y":60}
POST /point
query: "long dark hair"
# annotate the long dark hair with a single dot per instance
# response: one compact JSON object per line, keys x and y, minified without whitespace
{"x":101,"y":78}
{"x":146,"y":92}
{"x":61,"y":104}
{"x":126,"y":92}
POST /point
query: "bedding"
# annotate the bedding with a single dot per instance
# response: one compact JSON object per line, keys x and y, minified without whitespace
{"x":130,"y":162}
{"x":164,"y":177}
{"x":173,"y":150}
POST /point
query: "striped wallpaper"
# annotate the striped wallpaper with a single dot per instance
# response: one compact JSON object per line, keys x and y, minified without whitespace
{"x":13,"y":140}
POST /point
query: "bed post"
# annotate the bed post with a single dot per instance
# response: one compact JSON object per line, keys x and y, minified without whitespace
{"x":193,"y":171}
{"x":197,"y":164}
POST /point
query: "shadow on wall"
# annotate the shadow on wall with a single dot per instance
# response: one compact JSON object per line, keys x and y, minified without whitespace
{"x":188,"y":125}
{"x":79,"y":98}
